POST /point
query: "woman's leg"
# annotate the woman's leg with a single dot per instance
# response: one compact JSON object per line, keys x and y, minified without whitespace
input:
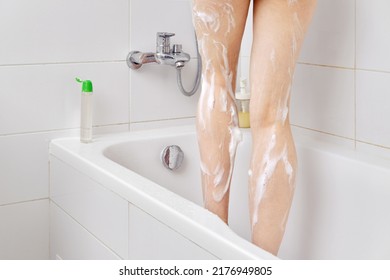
{"x":278,"y":31}
{"x":219,"y":26}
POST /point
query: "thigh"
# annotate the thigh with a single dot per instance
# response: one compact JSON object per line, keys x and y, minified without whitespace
{"x":279,"y":27}
{"x":219,"y":26}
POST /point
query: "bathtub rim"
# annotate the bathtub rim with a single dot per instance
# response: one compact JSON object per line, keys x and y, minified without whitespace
{"x":84,"y":158}
{"x":183,"y":216}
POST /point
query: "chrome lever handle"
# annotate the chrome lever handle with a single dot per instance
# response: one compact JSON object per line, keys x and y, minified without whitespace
{"x":163,"y":44}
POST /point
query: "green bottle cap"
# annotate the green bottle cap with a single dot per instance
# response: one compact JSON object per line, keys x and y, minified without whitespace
{"x":87,"y":85}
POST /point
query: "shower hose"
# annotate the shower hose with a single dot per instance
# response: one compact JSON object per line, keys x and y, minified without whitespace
{"x":197,"y":78}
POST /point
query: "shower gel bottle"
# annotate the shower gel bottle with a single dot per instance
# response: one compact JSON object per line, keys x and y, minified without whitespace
{"x":86,"y":111}
{"x":243,"y":98}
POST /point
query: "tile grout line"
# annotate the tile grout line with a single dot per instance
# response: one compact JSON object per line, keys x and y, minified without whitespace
{"x":128,"y":69}
{"x":355,"y":80}
{"x":66,"y":129}
{"x":60,"y":63}
{"x":24,"y":201}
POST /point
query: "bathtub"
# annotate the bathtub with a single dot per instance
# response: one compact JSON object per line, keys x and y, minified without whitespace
{"x":115,"y":195}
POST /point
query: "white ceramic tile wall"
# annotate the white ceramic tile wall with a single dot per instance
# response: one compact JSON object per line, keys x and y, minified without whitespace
{"x":372,"y":34}
{"x":155,"y":96}
{"x":24,"y":167}
{"x":39,"y":98}
{"x":63,"y":31}
{"x":45,"y":44}
{"x":24,"y":230}
{"x":323,"y":99}
{"x":373,"y":104}
{"x":331,"y":36}
{"x":99,"y":210}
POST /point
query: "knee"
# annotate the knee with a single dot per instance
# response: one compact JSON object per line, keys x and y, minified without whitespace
{"x":268,"y":117}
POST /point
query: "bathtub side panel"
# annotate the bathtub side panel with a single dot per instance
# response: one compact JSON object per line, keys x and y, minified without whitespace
{"x":151,"y":239}
{"x":102,"y":212}
{"x":70,"y":241}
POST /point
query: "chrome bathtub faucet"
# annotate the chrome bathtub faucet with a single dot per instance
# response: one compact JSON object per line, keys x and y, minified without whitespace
{"x":164,"y":54}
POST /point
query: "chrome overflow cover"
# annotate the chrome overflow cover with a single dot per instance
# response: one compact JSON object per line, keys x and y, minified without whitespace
{"x":172,"y":157}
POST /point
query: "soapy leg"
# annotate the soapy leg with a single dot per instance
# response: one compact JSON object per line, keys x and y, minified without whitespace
{"x":278,"y":30}
{"x":219,"y":26}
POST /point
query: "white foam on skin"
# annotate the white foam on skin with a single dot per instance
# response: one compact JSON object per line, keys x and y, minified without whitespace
{"x":227,"y":74}
{"x":218,"y":177}
{"x":223,"y":100}
{"x":229,"y":11}
{"x":210,"y":19}
{"x":235,"y":138}
{"x":206,"y":99}
{"x":294,"y":44}
{"x":297,"y":33}
{"x":288,"y":168}
{"x":268,"y":167}
{"x":283,"y":107}
{"x":291,"y":2}
{"x":284,"y":221}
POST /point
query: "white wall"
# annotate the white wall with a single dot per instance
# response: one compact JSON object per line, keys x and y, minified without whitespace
{"x":341,"y":89}
{"x":44,"y":45}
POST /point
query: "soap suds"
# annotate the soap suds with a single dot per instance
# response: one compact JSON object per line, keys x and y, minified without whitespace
{"x":291,"y":2}
{"x":235,"y":139}
{"x":268,"y":167}
{"x":213,"y":19}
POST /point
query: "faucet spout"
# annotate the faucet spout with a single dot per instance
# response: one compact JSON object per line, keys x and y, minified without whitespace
{"x":136,"y":59}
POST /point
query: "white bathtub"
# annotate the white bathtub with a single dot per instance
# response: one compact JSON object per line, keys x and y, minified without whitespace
{"x":117,"y":192}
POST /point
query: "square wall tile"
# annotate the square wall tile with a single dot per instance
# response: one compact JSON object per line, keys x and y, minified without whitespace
{"x":24,"y":168}
{"x":24,"y":165}
{"x":372,"y":34}
{"x":323,"y":99}
{"x":372,"y":107}
{"x":46,"y":97}
{"x":24,"y":231}
{"x":330,"y":39}
{"x":147,"y":17}
{"x":63,"y":31}
{"x":156,"y":96}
